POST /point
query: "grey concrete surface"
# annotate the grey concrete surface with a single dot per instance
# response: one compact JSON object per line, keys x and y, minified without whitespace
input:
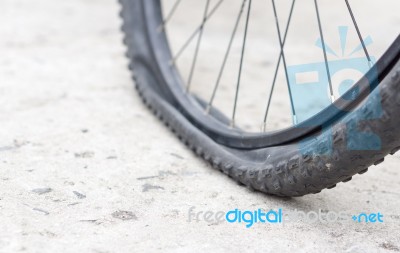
{"x":84,"y":166}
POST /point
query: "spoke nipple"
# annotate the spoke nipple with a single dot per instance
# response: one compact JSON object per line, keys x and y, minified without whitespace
{"x":333,"y":98}
{"x":232,"y":124}
{"x":160,"y":28}
{"x":264,"y":127}
{"x":295,"y":120}
{"x":207,"y":111}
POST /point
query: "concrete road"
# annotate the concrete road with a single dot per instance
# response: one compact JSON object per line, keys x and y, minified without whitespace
{"x":84,"y":166}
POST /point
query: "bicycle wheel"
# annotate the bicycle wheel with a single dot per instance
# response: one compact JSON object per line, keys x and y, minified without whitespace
{"x":343,"y":139}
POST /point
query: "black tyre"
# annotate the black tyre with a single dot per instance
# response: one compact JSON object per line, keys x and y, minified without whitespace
{"x":291,"y":162}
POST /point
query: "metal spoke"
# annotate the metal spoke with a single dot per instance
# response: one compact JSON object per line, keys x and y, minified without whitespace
{"x":226,"y":57}
{"x":170,"y":14}
{"x":284,"y":61}
{"x":243,"y":38}
{"x":241,"y":64}
{"x":196,"y":31}
{"x":277,"y":66}
{"x":324,"y":49}
{"x":359,"y":33}
{"x":196,"y":52}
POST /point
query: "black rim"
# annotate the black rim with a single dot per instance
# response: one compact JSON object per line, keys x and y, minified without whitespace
{"x":193,"y":110}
